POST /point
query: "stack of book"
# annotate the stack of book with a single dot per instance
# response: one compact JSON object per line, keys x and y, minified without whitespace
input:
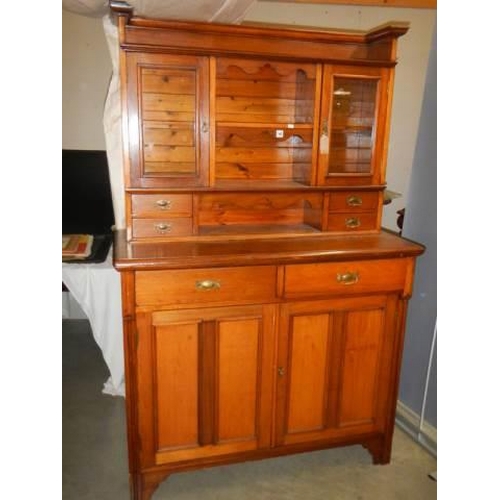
{"x":76,"y":246}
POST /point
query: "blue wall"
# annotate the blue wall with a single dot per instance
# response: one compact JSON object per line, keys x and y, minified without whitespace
{"x":420,"y":224}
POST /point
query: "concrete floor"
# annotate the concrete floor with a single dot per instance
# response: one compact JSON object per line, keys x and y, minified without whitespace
{"x":95,"y":452}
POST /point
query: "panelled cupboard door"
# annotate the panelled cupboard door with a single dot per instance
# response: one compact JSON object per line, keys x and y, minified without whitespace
{"x":168,"y":120}
{"x":353,"y":125}
{"x":334,"y":364}
{"x":205,"y":379}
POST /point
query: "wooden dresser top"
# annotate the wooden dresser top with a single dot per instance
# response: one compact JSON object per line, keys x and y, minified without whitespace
{"x":268,"y":251}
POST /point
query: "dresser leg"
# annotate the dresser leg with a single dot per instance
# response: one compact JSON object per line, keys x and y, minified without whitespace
{"x":142,"y":486}
{"x":380,"y":450}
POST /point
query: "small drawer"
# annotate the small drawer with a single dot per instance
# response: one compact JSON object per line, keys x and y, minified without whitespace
{"x":352,"y":201}
{"x":216,"y":285}
{"x":303,"y":280}
{"x":162,"y":205}
{"x":352,"y":221}
{"x":159,"y":228}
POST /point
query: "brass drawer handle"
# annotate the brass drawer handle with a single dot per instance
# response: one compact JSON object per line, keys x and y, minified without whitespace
{"x":354,"y":201}
{"x":164,"y":204}
{"x":204,"y":285}
{"x":163,"y":227}
{"x":352,"y":222}
{"x":347,"y":278}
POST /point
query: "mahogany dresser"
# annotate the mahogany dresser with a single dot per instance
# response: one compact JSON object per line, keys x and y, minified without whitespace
{"x":263,"y":305}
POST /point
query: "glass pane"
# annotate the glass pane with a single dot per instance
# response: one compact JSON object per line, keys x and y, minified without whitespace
{"x":353,"y":121}
{"x":168,"y":113}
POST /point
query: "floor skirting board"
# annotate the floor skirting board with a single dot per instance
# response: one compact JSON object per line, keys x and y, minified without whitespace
{"x":409,"y":422}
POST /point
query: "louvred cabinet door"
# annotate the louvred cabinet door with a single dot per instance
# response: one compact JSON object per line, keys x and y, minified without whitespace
{"x":168,"y":120}
{"x":334,"y":357}
{"x":205,"y":379}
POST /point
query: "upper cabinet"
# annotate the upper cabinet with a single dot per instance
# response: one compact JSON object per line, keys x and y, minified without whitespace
{"x":168,"y":120}
{"x":251,"y":130}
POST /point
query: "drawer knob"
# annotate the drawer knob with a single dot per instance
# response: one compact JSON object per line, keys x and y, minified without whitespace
{"x":207,"y":285}
{"x":347,"y":278}
{"x":352,"y":222}
{"x":354,"y":201}
{"x":163,"y":227}
{"x":164,"y":204}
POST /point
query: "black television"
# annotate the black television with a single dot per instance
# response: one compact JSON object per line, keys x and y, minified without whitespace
{"x":87,"y":205}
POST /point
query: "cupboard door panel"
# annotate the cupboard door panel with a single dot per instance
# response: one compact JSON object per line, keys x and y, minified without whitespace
{"x":177,"y":385}
{"x":362,"y":348}
{"x":238,"y":378}
{"x":308,"y":370}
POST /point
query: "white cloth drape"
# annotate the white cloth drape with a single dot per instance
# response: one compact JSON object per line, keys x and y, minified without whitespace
{"x":96,"y":288}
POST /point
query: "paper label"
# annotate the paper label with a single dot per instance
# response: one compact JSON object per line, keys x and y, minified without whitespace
{"x":323,"y":144}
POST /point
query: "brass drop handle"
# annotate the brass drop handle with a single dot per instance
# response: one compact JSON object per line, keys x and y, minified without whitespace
{"x":352,"y":222}
{"x":348,"y":278}
{"x":163,"y":227}
{"x":281,"y":371}
{"x":205,"y":285}
{"x":354,"y":201}
{"x":164,"y":204}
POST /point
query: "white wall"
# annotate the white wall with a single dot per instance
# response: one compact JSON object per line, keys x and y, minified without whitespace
{"x":86,"y":71}
{"x":413,"y":54}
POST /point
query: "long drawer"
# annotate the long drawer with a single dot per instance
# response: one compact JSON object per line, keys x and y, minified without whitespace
{"x":353,"y":277}
{"x":202,"y":286}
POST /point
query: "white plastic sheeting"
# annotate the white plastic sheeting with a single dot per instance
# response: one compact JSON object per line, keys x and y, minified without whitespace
{"x":221,"y":11}
{"x":91,"y":8}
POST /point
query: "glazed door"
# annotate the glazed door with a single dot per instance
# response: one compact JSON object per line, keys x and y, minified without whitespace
{"x":353,"y":126}
{"x":204,"y":379}
{"x":333,"y":367}
{"x":168,"y":120}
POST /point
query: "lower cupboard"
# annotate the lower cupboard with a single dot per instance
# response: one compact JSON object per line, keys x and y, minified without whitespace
{"x":224,"y":384}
